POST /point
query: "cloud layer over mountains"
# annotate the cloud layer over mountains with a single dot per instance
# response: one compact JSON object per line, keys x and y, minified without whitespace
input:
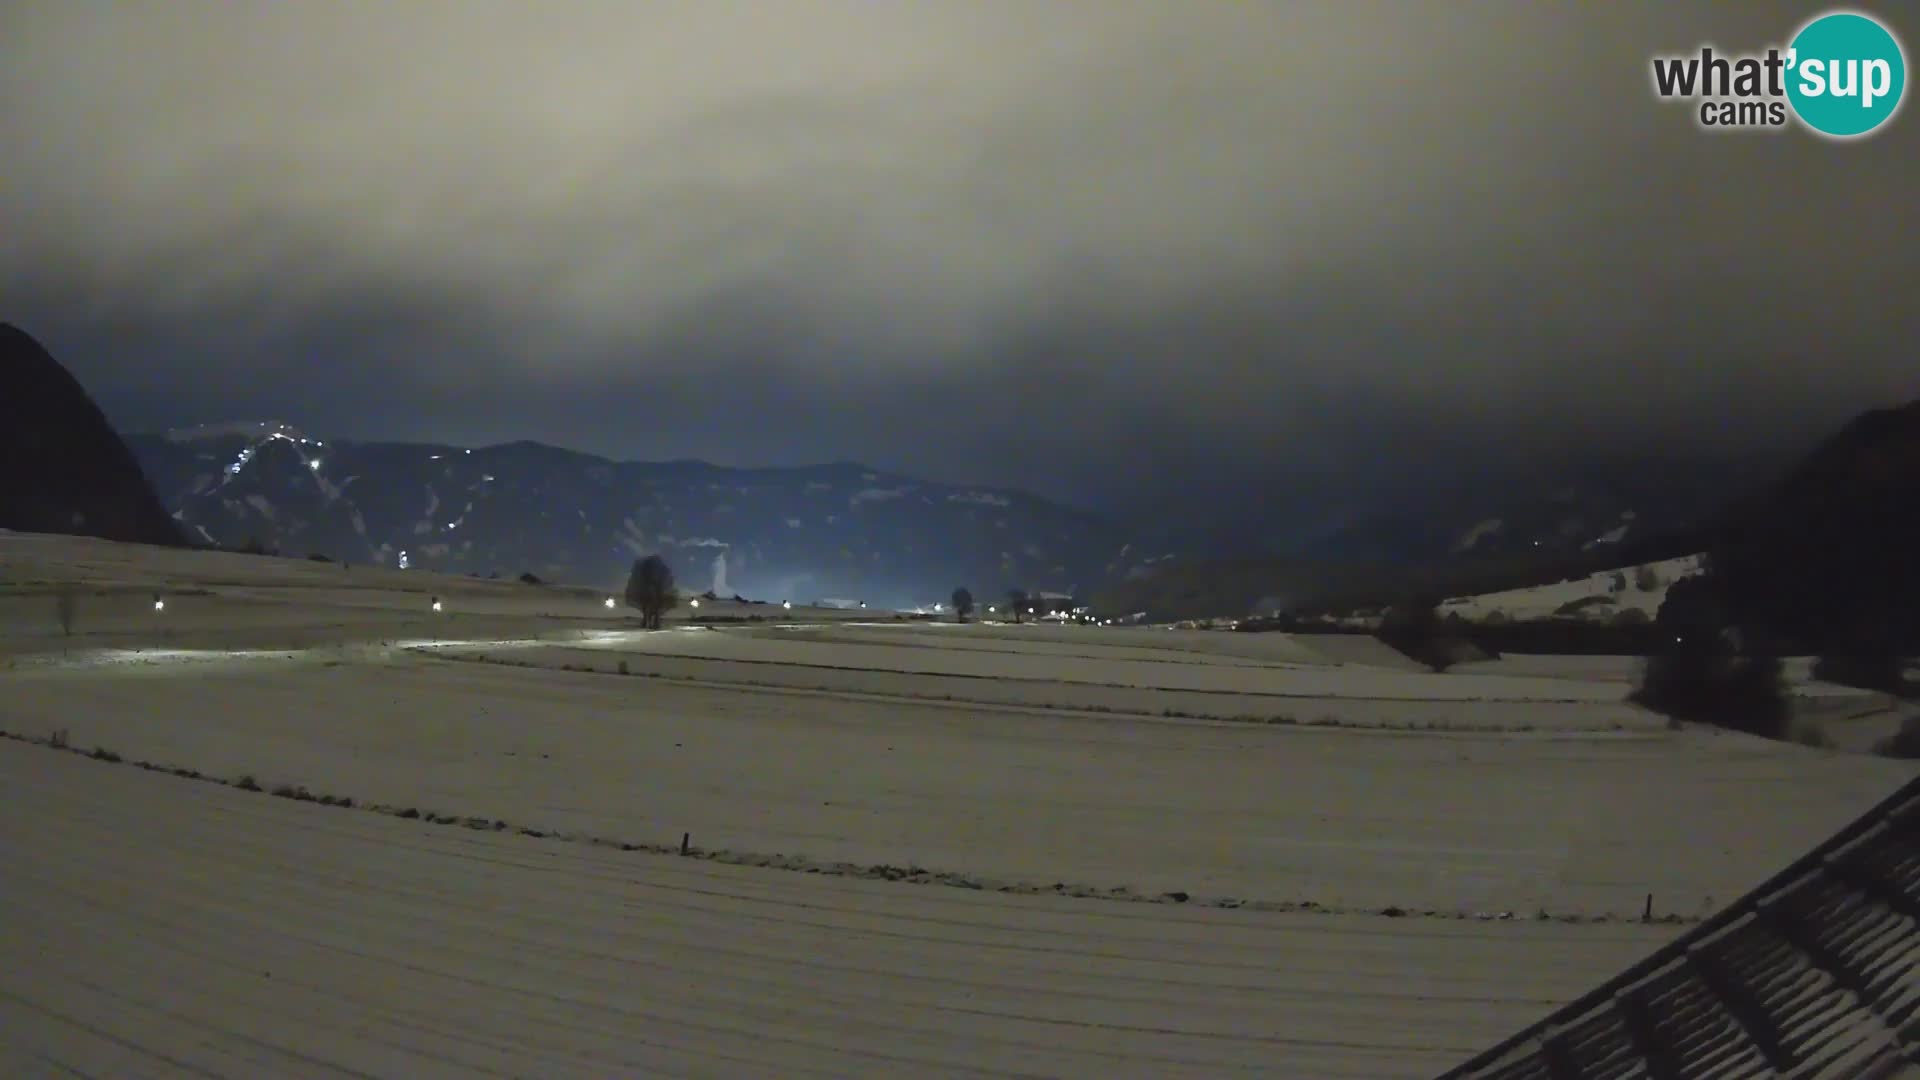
{"x":1099,"y":252}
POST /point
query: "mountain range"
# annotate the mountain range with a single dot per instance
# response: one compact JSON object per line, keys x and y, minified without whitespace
{"x":836,"y":531}
{"x":850,"y":532}
{"x":1529,"y":527}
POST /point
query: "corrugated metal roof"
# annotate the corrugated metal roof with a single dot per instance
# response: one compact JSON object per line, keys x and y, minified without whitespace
{"x":1814,"y":974}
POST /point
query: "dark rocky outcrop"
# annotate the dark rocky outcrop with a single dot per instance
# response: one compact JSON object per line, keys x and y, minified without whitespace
{"x":63,"y":469}
{"x":1829,"y":557}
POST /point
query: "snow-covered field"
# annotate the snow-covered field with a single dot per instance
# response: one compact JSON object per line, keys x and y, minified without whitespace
{"x":159,"y":927}
{"x":1386,"y":872}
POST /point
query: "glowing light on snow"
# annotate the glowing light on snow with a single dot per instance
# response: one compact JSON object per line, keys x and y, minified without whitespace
{"x":314,"y":464}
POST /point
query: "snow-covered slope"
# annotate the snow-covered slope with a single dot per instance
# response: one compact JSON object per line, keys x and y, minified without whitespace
{"x":1598,"y":597}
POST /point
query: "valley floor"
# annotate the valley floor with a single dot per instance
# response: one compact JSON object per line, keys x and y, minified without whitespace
{"x":1112,"y":852}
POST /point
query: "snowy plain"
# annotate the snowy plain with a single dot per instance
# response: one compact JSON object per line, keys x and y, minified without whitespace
{"x":1309,"y":865}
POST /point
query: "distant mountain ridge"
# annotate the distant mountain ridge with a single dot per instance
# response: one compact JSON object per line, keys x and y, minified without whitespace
{"x":1816,"y":546}
{"x":63,"y":469}
{"x":776,"y":533}
{"x":1549,"y":511}
{"x":1483,"y":532}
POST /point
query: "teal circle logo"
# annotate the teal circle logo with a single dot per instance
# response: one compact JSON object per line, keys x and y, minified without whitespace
{"x":1846,"y":74}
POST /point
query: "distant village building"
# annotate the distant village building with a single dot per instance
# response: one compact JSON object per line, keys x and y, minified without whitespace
{"x":1055,"y":604}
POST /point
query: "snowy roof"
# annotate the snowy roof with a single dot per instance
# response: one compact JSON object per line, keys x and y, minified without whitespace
{"x":1812,"y":973}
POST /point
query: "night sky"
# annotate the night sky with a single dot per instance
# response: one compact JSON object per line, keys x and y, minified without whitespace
{"x":1110,"y":252}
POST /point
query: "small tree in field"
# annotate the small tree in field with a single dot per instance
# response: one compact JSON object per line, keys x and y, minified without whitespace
{"x":1415,"y":628}
{"x":1018,"y":601}
{"x":650,"y":589}
{"x":962,"y":603}
{"x":66,"y":605}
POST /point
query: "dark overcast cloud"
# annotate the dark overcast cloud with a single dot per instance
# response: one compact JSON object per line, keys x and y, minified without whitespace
{"x":970,"y":239}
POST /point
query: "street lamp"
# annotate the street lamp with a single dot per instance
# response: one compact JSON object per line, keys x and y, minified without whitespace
{"x":609,"y":602}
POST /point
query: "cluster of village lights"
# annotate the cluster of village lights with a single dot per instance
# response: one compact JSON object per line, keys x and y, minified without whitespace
{"x":160,"y":604}
{"x":611,"y":604}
